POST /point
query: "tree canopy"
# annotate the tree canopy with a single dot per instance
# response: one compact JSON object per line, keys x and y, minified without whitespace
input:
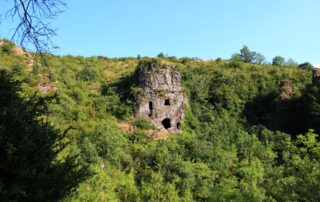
{"x":278,"y":61}
{"x":67,"y":133}
{"x":248,"y":56}
{"x":29,"y":147}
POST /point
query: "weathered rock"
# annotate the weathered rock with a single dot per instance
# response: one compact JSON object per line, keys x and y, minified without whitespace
{"x":45,"y":88}
{"x":286,"y":90}
{"x":316,"y":77}
{"x":162,"y":99}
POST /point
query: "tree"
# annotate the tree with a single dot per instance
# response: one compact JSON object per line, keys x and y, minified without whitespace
{"x":246,"y":55}
{"x":33,"y":18}
{"x":306,"y":66}
{"x":29,"y":170}
{"x":291,"y":62}
{"x":259,"y":58}
{"x":161,"y":55}
{"x":278,"y":61}
{"x":236,"y":58}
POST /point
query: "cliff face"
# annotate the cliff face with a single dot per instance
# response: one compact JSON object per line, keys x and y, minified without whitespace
{"x":162,"y":100}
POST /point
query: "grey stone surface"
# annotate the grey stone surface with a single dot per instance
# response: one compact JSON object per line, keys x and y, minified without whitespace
{"x":162,"y":99}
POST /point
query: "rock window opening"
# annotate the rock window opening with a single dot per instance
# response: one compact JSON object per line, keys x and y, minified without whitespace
{"x":178,"y":126}
{"x":166,"y":123}
{"x":150,"y":108}
{"x":166,"y":102}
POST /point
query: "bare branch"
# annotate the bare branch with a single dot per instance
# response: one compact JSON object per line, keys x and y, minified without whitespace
{"x":33,"y":25}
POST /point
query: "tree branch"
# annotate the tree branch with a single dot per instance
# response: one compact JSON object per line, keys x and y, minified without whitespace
{"x":33,"y":26}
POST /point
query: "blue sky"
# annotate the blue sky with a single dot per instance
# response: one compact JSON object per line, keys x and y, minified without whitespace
{"x":193,"y":28}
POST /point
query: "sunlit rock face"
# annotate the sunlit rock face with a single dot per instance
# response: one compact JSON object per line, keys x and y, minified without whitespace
{"x":161,"y":101}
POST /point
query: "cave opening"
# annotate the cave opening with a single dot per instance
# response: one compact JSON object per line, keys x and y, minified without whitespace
{"x":167,"y":102}
{"x":150,"y":108}
{"x":178,"y":126}
{"x":166,"y":123}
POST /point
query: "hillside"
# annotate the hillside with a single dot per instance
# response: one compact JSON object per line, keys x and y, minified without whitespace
{"x":249,"y":131}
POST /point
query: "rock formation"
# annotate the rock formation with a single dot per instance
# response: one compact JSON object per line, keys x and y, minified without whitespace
{"x":161,"y":102}
{"x":19,"y":52}
{"x":286,"y":90}
{"x":316,"y":77}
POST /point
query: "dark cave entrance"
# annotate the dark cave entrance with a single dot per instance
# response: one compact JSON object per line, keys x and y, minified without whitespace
{"x":166,"y":123}
{"x":150,"y":108}
{"x":178,"y":126}
{"x":166,"y":102}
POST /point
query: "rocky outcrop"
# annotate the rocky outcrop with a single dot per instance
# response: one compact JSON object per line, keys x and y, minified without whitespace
{"x":19,"y":52}
{"x":161,"y":102}
{"x":316,"y":77}
{"x":286,"y":90}
{"x":46,"y":88}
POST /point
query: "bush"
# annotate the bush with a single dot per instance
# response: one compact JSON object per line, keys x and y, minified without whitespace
{"x":79,"y":95}
{"x":114,"y":105}
{"x":88,"y":74}
{"x":7,"y":47}
{"x":235,"y":64}
{"x":143,"y":124}
{"x":306,"y":66}
{"x":17,"y":68}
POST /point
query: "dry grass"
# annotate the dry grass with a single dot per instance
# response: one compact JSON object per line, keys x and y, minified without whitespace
{"x":159,"y":134}
{"x":155,"y":134}
{"x":127,"y":127}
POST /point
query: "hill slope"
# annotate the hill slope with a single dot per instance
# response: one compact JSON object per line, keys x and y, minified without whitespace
{"x":240,"y":138}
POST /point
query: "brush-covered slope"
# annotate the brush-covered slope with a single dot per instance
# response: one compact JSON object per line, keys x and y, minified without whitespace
{"x":240,"y":139}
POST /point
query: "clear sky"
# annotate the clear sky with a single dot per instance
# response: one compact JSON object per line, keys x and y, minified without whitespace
{"x":193,"y":28}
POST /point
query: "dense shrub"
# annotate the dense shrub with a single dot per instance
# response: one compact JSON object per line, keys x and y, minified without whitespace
{"x":88,"y":74}
{"x":7,"y":47}
{"x":245,"y":135}
{"x":143,"y":124}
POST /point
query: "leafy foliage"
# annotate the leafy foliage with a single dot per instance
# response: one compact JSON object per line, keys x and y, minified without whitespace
{"x":246,"y":132}
{"x":7,"y":47}
{"x":278,"y":61}
{"x":29,"y":146}
{"x":248,"y":56}
{"x":306,"y":66}
{"x":143,"y":124}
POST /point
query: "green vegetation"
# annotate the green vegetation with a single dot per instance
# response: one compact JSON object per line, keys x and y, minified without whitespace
{"x":143,"y":124}
{"x":7,"y":47}
{"x":248,"y":56}
{"x":278,"y":61}
{"x":306,"y":66}
{"x":29,"y":167}
{"x":249,"y":133}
